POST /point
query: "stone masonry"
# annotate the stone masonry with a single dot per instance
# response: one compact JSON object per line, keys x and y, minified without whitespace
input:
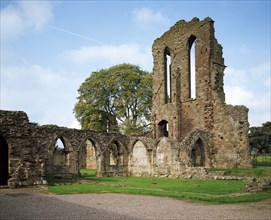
{"x":190,"y":133}
{"x":204,"y":127}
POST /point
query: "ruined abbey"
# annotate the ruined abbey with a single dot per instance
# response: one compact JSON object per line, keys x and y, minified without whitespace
{"x":193,"y":127}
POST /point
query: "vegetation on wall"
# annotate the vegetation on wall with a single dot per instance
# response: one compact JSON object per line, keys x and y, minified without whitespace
{"x":116,"y":99}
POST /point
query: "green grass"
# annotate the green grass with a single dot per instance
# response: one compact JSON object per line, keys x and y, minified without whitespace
{"x":215,"y":191}
{"x":261,"y":160}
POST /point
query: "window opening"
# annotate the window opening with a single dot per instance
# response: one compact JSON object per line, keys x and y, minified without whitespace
{"x":192,"y":67}
{"x":59,"y":144}
{"x":163,"y":125}
{"x":168,"y":76}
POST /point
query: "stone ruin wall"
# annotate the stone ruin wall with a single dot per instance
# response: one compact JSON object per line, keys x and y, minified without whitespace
{"x":202,"y":132}
{"x":226,"y":126}
{"x":33,"y":156}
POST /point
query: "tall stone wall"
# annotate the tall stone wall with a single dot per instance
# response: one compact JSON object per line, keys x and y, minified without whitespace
{"x":227,"y":126}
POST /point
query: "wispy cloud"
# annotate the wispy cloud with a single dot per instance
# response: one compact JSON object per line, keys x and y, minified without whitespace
{"x":22,"y":15}
{"x":256,"y":97}
{"x":146,"y":18}
{"x":47,"y":95}
{"x":75,"y":34}
{"x":111,"y":55}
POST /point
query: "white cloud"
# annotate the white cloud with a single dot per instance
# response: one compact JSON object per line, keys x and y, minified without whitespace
{"x":36,"y":14}
{"x":236,"y":95}
{"x":146,"y":18}
{"x":23,"y":15}
{"x":245,"y":88}
{"x":234,"y":76}
{"x":46,"y":95}
{"x":11,"y":23}
{"x":263,"y":68}
{"x":112,"y":55}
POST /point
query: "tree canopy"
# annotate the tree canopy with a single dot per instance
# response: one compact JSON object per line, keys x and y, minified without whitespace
{"x":116,"y":99}
{"x":260,"y":138}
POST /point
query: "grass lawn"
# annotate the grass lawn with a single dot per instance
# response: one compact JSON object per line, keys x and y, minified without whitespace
{"x":261,"y":160}
{"x":215,"y":191}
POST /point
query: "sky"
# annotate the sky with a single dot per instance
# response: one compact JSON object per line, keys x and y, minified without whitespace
{"x":48,"y":48}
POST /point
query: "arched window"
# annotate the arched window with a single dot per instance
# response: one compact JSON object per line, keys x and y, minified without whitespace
{"x":192,"y":67}
{"x":163,"y":128}
{"x":60,"y":143}
{"x":168,"y":92}
{"x":61,"y":155}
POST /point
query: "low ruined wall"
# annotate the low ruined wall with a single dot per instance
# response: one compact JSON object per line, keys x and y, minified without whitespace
{"x":33,"y":155}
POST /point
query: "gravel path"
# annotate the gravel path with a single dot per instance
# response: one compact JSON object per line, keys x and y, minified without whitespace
{"x":22,"y":204}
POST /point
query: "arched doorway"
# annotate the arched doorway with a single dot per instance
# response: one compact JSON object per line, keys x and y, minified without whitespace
{"x":60,"y":156}
{"x":88,"y":155}
{"x":116,"y":159}
{"x":3,"y":161}
{"x":197,"y":154}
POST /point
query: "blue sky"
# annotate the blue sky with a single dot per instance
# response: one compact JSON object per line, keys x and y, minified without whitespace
{"x":48,"y":48}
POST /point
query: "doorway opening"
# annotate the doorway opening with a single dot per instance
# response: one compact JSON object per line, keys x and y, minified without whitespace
{"x":3,"y":161}
{"x":197,"y":154}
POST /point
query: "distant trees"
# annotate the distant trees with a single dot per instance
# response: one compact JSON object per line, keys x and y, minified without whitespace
{"x":260,"y":138}
{"x":116,"y":99}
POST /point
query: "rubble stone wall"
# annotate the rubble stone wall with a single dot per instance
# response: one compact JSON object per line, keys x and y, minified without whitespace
{"x":33,"y":155}
{"x":226,"y":125}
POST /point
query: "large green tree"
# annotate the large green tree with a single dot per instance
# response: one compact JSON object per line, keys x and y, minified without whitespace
{"x":116,"y":99}
{"x":260,"y":138}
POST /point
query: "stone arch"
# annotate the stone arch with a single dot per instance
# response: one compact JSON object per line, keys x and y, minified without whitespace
{"x":163,"y":128}
{"x":4,"y":161}
{"x":61,"y":156}
{"x":89,"y":155}
{"x":118,"y":153}
{"x":195,"y":149}
{"x":198,"y":154}
{"x":139,"y":161}
{"x":116,"y":158}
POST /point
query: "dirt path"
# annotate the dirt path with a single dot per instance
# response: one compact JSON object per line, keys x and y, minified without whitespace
{"x":34,"y":204}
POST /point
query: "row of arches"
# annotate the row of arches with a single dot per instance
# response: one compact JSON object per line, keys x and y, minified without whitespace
{"x":88,"y":155}
{"x":138,"y":162}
